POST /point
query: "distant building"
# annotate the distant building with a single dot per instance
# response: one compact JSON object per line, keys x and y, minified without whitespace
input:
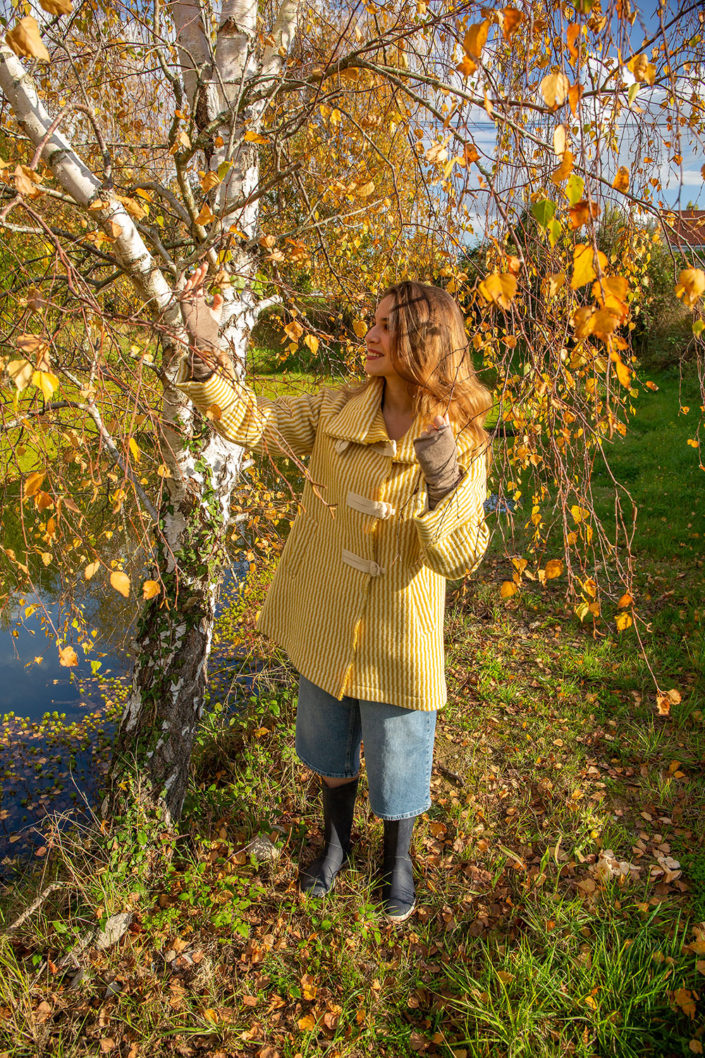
{"x":685,"y":230}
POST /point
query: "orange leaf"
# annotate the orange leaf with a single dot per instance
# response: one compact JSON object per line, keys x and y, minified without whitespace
{"x":34,"y":483}
{"x":467,"y":66}
{"x":507,"y":589}
{"x":68,"y":657}
{"x":571,"y":36}
{"x":121,"y":582}
{"x":56,"y":7}
{"x":574,"y":94}
{"x":150,"y":588}
{"x":554,"y":568}
{"x":564,"y":169}
{"x":512,"y":18}
{"x":621,"y":180}
{"x":642,"y":69}
{"x":475,"y":39}
{"x":581,"y":213}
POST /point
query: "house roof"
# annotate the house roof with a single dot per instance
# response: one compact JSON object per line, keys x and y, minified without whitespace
{"x":687,"y":227}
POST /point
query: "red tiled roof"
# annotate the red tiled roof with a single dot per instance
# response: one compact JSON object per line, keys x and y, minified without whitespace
{"x":688,"y":227}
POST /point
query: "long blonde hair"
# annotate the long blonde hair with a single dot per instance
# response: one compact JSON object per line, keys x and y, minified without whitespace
{"x":429,"y":349}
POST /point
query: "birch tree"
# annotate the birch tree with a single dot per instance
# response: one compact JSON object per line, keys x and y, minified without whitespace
{"x":359,"y":143}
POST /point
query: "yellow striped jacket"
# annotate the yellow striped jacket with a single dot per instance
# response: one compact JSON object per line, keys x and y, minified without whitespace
{"x":358,"y":598}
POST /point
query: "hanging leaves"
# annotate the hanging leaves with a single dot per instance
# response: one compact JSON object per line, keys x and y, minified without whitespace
{"x":621,"y":180}
{"x":499,"y":289}
{"x":150,"y":589}
{"x":56,"y":7}
{"x":91,"y":570}
{"x":564,"y":169}
{"x":512,"y":18}
{"x":20,"y":371}
{"x":475,"y":39}
{"x":642,"y":69}
{"x":583,"y":265}
{"x":554,"y":89}
{"x":581,"y":213}
{"x":690,"y":285}
{"x":25,"y":40}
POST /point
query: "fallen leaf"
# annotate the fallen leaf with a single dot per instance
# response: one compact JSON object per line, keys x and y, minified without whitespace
{"x":121,"y":582}
{"x":68,"y":657}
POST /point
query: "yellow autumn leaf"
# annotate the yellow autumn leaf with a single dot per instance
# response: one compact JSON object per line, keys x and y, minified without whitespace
{"x":25,"y":40}
{"x":690,"y":286}
{"x":554,"y":282}
{"x":624,"y":373}
{"x":312,"y":342}
{"x":642,"y":69}
{"x":553,"y":568}
{"x":579,"y":513}
{"x":554,"y":89}
{"x":206,"y":215}
{"x":507,"y":589}
{"x":34,"y":483}
{"x":254,"y":137}
{"x":209,"y":181}
{"x":307,"y":1023}
{"x":121,"y":582}
{"x":621,"y":180}
{"x":136,"y":210}
{"x":67,"y":657}
{"x":499,"y":288}
{"x":56,"y":7}
{"x":27,"y":181}
{"x":150,"y":588}
{"x":605,"y":322}
{"x":135,"y":450}
{"x":475,"y":39}
{"x":360,"y":328}
{"x":91,"y":570}
{"x":584,"y":265}
{"x":47,"y":382}
{"x":293,"y":330}
{"x":559,"y":141}
{"x":622,"y":620}
{"x":309,"y":989}
{"x":20,"y":371}
{"x":365,"y":190}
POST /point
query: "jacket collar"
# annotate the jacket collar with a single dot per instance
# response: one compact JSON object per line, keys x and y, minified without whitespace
{"x":361,"y":421}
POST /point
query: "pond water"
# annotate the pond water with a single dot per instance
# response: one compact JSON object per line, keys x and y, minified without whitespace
{"x":56,"y":722}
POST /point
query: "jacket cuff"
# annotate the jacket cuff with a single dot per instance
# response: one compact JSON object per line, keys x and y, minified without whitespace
{"x":441,"y":518}
{"x":218,"y":389}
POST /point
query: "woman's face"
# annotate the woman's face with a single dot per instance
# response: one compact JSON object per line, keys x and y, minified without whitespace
{"x":378,"y":342}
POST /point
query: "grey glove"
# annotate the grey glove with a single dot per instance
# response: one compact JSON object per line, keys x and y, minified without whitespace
{"x":203,"y":325}
{"x":438,"y":455}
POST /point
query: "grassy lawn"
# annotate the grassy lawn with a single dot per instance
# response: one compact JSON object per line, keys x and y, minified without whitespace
{"x":561,"y":869}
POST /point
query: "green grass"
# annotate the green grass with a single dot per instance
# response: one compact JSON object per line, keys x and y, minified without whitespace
{"x":550,"y":755}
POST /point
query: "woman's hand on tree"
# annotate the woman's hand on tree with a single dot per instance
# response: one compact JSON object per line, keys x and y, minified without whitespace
{"x":203,"y":325}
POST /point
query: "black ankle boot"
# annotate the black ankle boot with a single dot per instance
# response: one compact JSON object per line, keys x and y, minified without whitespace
{"x":338,"y":807}
{"x":398,"y":893}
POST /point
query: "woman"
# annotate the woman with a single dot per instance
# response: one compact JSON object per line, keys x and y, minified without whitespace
{"x":393,"y":505}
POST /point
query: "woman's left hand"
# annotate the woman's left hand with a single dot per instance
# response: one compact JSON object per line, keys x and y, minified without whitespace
{"x":437,"y":453}
{"x":438,"y":423}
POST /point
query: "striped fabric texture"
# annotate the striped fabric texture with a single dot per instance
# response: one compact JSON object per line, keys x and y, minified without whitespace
{"x":358,"y":598}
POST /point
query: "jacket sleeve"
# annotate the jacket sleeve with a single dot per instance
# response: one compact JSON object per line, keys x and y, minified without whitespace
{"x":288,"y":424}
{"x":454,"y":535}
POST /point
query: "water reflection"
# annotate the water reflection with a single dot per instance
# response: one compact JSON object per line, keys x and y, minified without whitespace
{"x":57,"y":723}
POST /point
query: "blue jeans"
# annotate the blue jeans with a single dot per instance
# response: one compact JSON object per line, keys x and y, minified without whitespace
{"x":398,"y":747}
